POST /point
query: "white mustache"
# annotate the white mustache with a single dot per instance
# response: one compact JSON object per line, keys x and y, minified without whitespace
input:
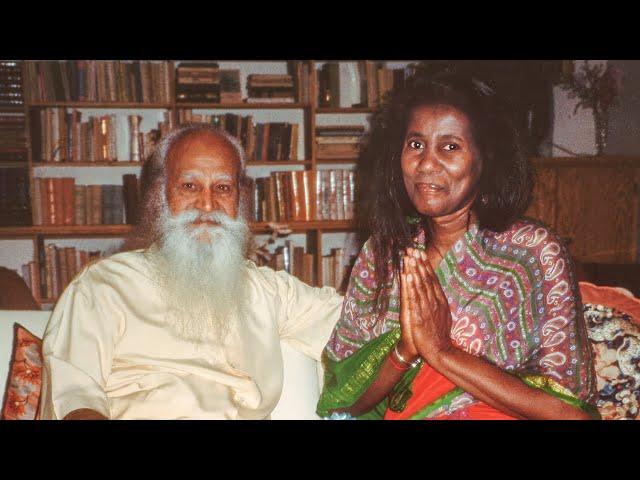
{"x":190,"y":216}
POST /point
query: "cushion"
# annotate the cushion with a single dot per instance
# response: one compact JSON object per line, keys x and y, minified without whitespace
{"x":22,"y":394}
{"x":618,"y":298}
{"x":615,"y":340}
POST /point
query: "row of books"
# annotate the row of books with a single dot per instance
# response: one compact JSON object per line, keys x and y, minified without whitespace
{"x":334,"y":271}
{"x":205,"y":82}
{"x":58,"y":266}
{"x":12,"y":131}
{"x":273,"y":141}
{"x":375,"y":81}
{"x":11,"y":92}
{"x":62,"y":136}
{"x":308,"y":195}
{"x":276,"y":88}
{"x":293,"y":260}
{"x":338,"y":141}
{"x":198,"y":82}
{"x":15,"y":207}
{"x":59,"y":201}
{"x":98,"y":81}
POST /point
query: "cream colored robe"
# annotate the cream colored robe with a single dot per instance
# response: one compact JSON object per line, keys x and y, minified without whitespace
{"x":106,"y":347}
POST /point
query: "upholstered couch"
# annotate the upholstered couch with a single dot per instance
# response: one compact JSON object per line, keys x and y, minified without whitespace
{"x":613,"y":322}
{"x":302,"y":374}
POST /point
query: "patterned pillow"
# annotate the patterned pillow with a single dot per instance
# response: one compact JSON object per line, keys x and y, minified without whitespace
{"x":615,"y":340}
{"x":23,"y":385}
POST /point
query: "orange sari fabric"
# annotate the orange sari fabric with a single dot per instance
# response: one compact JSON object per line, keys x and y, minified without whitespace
{"x":429,"y":386}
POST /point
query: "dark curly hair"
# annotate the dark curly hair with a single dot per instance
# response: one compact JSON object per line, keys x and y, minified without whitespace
{"x":506,"y":180}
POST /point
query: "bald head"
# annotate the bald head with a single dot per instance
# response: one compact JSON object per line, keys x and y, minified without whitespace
{"x":203,"y":172}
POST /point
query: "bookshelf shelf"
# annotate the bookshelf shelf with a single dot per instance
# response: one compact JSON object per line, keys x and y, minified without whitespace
{"x":140,"y":164}
{"x":345,"y":110}
{"x":130,"y":105}
{"x":280,"y":163}
{"x":86,"y":164}
{"x":330,"y":161}
{"x":14,"y":165}
{"x":119,"y":230}
{"x":243,"y":106}
{"x":11,"y":109}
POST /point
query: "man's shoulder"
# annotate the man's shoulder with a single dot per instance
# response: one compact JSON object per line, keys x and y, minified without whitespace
{"x":117,"y":266}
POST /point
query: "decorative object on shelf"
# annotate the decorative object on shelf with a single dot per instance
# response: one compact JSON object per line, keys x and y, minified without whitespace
{"x":135,"y":139}
{"x":597,"y":87}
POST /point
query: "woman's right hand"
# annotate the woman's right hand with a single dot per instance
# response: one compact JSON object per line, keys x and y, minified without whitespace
{"x":406,"y":344}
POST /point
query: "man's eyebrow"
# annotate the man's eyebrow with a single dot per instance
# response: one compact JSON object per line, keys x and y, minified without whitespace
{"x":189,"y":174}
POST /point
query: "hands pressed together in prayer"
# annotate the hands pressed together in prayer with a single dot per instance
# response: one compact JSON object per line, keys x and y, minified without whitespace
{"x":425,"y":318}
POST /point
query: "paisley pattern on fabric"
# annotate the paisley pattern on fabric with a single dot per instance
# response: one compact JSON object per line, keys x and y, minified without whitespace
{"x":513,"y":300}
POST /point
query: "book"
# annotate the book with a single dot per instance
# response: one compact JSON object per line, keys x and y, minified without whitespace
{"x":230,"y":86}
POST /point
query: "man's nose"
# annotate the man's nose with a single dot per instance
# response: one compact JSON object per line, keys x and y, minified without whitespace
{"x":206,"y":201}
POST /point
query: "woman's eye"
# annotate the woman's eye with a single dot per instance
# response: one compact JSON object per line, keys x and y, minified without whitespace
{"x":224,"y":188}
{"x":415,"y":144}
{"x":188,"y":186}
{"x":451,"y":146}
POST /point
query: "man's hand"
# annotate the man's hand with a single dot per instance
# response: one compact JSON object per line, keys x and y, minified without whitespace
{"x":85,"y":414}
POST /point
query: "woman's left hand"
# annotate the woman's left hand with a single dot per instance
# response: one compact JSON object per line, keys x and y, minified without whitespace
{"x":429,"y":309}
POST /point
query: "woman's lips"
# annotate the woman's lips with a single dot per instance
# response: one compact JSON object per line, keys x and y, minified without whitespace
{"x":429,"y":188}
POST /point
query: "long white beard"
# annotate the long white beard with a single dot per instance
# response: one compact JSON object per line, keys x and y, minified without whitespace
{"x":202,"y":281}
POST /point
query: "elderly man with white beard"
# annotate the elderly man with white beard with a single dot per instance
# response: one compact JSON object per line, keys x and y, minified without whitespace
{"x":187,"y":327}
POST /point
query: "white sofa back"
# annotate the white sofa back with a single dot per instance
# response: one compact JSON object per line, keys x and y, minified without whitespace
{"x":302,"y":375}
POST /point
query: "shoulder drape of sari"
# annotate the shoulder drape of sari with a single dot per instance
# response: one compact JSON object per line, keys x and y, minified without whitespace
{"x":513,"y":301}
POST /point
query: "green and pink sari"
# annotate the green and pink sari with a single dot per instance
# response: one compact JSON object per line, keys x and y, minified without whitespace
{"x":514,"y":302}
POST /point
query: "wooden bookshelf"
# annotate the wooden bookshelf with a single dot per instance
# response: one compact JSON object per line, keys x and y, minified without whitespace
{"x":86,"y":164}
{"x":314,"y":230}
{"x":120,"y":230}
{"x":329,"y":161}
{"x":345,"y":110}
{"x":101,"y":105}
{"x":242,"y":106}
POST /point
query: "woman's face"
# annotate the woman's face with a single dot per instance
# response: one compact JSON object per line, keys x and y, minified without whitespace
{"x":440,"y":161}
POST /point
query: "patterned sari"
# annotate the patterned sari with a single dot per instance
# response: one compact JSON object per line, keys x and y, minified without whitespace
{"x":514,"y":302}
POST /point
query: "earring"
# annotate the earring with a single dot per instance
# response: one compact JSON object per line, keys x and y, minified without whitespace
{"x":484,"y":199}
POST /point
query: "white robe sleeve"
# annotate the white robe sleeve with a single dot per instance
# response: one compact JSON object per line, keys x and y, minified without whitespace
{"x":309,"y":314}
{"x":78,"y":348}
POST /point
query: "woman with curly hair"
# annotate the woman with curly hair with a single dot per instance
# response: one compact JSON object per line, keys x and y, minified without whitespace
{"x":458,"y":307}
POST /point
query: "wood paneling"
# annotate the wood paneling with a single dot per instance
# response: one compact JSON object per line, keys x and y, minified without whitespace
{"x":543,"y":205}
{"x":595,"y":208}
{"x":594,"y":204}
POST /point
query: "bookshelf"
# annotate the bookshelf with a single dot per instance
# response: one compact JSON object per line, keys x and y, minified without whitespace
{"x":318,"y":236}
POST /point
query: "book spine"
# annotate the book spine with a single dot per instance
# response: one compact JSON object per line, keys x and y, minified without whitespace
{"x":79,"y":200}
{"x":51,"y":273}
{"x":63,"y":271}
{"x":68,"y":185}
{"x":72,"y":266}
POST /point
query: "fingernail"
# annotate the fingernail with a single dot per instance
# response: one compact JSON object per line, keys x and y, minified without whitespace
{"x":423,"y":255}
{"x":416,"y":254}
{"x":409,"y":277}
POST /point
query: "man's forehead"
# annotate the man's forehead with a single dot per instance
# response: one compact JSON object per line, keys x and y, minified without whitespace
{"x":203,"y":150}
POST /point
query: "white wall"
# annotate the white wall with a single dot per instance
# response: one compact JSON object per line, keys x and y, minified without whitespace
{"x":573,"y":132}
